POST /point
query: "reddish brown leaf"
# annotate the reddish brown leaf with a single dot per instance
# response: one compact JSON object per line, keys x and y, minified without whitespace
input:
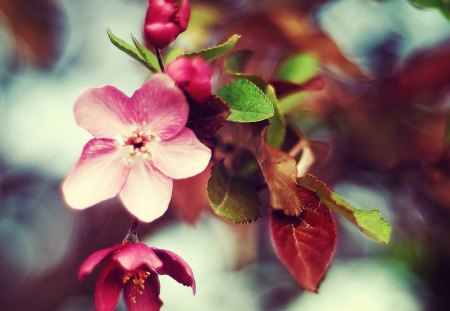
{"x":284,"y":88}
{"x":305,"y":245}
{"x":279,"y":169}
{"x":280,"y":173}
{"x":206,"y":118}
{"x":187,"y":205}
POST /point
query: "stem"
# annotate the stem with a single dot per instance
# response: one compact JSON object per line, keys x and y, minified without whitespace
{"x":160,"y":60}
{"x":132,"y":234}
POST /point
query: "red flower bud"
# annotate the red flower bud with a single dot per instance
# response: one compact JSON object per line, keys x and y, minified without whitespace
{"x":192,"y":75}
{"x":165,"y":20}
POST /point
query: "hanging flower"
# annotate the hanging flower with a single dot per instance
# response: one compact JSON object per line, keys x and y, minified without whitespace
{"x":192,"y":75}
{"x":165,"y":20}
{"x":140,"y":144}
{"x":134,"y":268}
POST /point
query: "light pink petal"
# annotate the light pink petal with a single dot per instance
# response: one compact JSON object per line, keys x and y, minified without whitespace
{"x":160,"y":107}
{"x":108,"y":288}
{"x":149,"y":299}
{"x":94,"y":259}
{"x":175,"y":267}
{"x":98,"y":175}
{"x":146,"y":193}
{"x":182,"y":156}
{"x":136,"y":255}
{"x":104,"y":112}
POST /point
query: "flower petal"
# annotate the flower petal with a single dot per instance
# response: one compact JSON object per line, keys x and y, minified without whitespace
{"x":98,"y":175}
{"x":175,"y":267}
{"x":146,"y":193}
{"x":149,"y":299}
{"x":160,"y":107}
{"x":104,"y":112}
{"x":136,"y":255}
{"x":94,"y":259}
{"x":108,"y":288}
{"x":181,"y":157}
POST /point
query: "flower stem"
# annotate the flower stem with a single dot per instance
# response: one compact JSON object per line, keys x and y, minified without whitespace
{"x":160,"y":60}
{"x":132,"y":234}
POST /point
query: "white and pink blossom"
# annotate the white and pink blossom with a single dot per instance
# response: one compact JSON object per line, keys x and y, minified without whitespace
{"x":140,"y":144}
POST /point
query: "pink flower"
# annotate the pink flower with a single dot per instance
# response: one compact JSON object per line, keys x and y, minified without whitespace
{"x":134,"y":268}
{"x":192,"y":75}
{"x":140,"y":144}
{"x":165,"y":20}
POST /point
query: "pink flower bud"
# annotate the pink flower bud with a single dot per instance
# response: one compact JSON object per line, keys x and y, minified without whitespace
{"x":192,"y":75}
{"x":165,"y":20}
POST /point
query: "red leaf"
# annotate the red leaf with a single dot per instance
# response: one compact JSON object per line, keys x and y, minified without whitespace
{"x":306,"y":244}
{"x":285,"y":88}
{"x":206,"y":118}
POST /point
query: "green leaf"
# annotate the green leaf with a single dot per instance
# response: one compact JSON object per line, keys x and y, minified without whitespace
{"x":172,"y":54}
{"x":299,"y":68}
{"x":128,"y":49}
{"x":236,"y":61}
{"x":369,"y":222}
{"x":232,"y":198}
{"x":247,"y":102}
{"x":217,"y":51}
{"x":277,"y":128}
{"x":441,"y":5}
{"x":149,"y":58}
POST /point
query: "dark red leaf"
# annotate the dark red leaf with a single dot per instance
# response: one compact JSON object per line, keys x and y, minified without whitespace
{"x":306,"y":244}
{"x":278,"y":168}
{"x":284,"y":88}
{"x":206,"y":118}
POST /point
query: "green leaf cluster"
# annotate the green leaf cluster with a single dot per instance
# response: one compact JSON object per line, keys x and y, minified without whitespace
{"x":139,"y":52}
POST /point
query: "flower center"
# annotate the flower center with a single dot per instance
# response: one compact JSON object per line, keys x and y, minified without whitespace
{"x":137,"y":278}
{"x":138,"y":143}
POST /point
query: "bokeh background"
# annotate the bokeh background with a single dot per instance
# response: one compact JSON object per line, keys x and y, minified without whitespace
{"x":384,"y":113}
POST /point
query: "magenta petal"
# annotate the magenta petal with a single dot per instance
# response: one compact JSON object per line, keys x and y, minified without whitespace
{"x":181,"y":70}
{"x":146,"y":193}
{"x":98,"y":175}
{"x":94,"y":259}
{"x":184,"y":13}
{"x":104,"y":112}
{"x":182,"y":156}
{"x":175,"y":267}
{"x":136,"y":255}
{"x":160,"y":107}
{"x":149,"y":299}
{"x":108,"y":288}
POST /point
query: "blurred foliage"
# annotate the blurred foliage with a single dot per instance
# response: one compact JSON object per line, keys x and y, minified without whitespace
{"x":386,"y":131}
{"x":441,"y":5}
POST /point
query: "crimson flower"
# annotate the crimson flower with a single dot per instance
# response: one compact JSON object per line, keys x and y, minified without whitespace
{"x":165,"y":20}
{"x":192,"y":75}
{"x":134,"y":268}
{"x":140,"y":144}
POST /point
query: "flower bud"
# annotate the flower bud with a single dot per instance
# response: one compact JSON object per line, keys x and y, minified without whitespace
{"x":165,"y":20}
{"x":192,"y":75}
